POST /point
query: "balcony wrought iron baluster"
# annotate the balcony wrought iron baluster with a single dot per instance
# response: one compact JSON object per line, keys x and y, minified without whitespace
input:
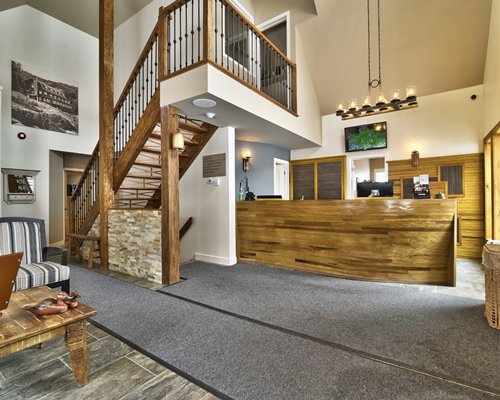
{"x":199,"y":31}
{"x":221,"y":32}
{"x":216,"y":31}
{"x":186,"y":33}
{"x":192,"y":31}
{"x":174,"y":23}
{"x":180,"y":38}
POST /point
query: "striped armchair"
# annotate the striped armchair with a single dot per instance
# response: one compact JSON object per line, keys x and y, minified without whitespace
{"x":28,"y":235}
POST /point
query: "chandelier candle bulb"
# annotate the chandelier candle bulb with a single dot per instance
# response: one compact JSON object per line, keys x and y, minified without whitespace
{"x":396,"y":96}
{"x":340,"y":108}
{"x":367,"y":103}
{"x":353,"y":105}
{"x":411,"y":93}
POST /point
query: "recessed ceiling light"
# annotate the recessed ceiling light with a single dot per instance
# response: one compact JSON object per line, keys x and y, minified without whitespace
{"x":204,"y":103}
{"x":210,"y":115}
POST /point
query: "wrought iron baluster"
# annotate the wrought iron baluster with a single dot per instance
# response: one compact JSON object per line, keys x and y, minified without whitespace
{"x":192,"y":31}
{"x":180,"y":37}
{"x":186,"y":34}
{"x":174,"y":22}
{"x":199,"y":32}
{"x":215,"y":33}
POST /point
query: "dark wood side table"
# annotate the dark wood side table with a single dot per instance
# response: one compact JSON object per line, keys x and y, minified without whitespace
{"x":20,"y":329}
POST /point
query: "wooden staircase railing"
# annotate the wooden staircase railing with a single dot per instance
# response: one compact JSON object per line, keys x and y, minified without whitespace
{"x":135,"y":114}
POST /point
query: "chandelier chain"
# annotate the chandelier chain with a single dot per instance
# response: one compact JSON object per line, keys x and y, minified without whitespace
{"x":375,"y":82}
{"x":379,"y":62}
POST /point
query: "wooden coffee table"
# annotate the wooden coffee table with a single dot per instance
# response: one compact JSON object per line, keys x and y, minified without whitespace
{"x":20,"y":329}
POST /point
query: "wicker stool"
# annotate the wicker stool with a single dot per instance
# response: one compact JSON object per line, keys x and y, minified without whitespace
{"x":491,"y":262}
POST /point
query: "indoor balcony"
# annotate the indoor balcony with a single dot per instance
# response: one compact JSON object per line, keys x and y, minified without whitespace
{"x":213,"y":51}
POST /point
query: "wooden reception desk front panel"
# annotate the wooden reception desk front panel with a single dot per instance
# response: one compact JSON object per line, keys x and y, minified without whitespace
{"x":382,"y":240}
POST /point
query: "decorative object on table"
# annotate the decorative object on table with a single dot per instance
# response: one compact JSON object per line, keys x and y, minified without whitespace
{"x":59,"y":305}
{"x":250,"y":196}
{"x":42,"y":101}
{"x":439,"y":195}
{"x":382,"y":105}
{"x":491,"y":262}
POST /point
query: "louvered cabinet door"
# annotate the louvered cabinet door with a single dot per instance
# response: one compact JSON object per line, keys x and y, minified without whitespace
{"x":329,"y":180}
{"x":303,"y":181}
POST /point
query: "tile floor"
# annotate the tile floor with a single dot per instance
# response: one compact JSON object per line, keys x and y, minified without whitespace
{"x":116,"y":371}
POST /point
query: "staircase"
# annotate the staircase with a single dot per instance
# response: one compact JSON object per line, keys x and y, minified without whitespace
{"x":137,"y":137}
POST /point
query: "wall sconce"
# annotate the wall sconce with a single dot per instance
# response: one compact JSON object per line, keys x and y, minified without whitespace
{"x":246,"y":163}
{"x":415,"y":159}
{"x":245,"y":157}
{"x":178,"y":141}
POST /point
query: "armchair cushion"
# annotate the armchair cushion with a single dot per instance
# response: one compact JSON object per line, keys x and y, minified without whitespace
{"x":40,"y":274}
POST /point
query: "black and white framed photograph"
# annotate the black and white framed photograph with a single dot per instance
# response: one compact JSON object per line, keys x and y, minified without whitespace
{"x":42,"y":101}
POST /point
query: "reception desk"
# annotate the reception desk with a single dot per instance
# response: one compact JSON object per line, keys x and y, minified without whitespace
{"x":380,"y":239}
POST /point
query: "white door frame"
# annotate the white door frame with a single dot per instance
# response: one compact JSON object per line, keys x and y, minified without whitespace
{"x":351,"y":194}
{"x":287,"y":181}
{"x":278,"y":19}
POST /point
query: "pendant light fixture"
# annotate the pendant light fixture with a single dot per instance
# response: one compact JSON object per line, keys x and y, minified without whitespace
{"x":382,"y":105}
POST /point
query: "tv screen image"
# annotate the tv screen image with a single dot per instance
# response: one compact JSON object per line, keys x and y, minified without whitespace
{"x":366,"y":137}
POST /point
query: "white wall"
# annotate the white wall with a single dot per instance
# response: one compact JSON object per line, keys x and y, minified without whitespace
{"x":443,"y":124}
{"x":34,"y":38}
{"x":492,"y":71}
{"x":212,"y":236}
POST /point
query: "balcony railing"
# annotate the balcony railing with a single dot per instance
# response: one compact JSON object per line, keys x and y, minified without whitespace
{"x":194,"y":32}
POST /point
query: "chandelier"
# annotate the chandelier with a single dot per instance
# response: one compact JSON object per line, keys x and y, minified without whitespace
{"x":382,"y":105}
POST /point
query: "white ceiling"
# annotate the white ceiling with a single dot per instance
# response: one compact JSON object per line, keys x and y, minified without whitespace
{"x":437,"y":45}
{"x":82,"y":14}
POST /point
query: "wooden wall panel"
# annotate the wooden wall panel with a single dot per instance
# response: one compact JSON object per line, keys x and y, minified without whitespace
{"x":470,"y":205}
{"x":381,"y":239}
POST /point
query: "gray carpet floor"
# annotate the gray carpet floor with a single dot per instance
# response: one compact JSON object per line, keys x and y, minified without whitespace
{"x":441,"y":334}
{"x":245,"y":360}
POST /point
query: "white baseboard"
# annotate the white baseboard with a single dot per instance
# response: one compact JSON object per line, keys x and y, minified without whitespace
{"x":215,"y":259}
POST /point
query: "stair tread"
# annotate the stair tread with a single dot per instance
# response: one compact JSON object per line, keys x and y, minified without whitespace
{"x":137,"y":188}
{"x":145,"y":164}
{"x":157,"y":178}
{"x":191,"y":128}
{"x":187,"y":142}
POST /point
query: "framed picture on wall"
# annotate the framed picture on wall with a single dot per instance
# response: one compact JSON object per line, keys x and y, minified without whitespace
{"x":42,"y":101}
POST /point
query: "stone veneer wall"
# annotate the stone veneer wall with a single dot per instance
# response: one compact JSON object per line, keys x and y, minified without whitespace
{"x":135,"y":243}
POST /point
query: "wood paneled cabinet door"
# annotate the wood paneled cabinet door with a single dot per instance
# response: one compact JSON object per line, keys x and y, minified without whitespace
{"x":303,"y":181}
{"x":318,"y":179}
{"x":329,"y":180}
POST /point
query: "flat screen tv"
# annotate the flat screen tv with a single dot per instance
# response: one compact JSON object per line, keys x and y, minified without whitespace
{"x":366,"y":137}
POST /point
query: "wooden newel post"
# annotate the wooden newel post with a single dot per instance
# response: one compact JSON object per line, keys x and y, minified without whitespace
{"x":106,"y":121}
{"x":208,"y":29}
{"x":162,"y":43}
{"x":170,"y":244}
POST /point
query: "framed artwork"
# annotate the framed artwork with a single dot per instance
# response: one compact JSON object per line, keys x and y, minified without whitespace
{"x":42,"y":101}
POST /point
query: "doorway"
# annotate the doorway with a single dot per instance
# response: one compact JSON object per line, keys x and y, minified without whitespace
{"x":282,"y":178}
{"x":367,"y":169}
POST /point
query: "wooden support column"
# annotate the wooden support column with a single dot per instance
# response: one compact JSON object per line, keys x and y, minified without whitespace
{"x":170,"y":248}
{"x":495,"y":190}
{"x":106,"y":121}
{"x":488,"y":210}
